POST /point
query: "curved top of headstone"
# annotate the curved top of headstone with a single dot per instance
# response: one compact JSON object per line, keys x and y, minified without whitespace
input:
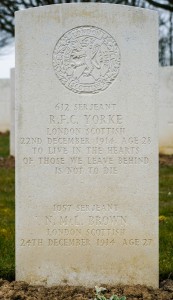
{"x":85,"y":6}
{"x":86,"y":58}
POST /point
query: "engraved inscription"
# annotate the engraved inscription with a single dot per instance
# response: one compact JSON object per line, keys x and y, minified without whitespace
{"x":92,"y":139}
{"x":86,"y":139}
{"x":86,"y":59}
{"x":31,"y":242}
{"x":137,"y":242}
{"x":86,"y":225}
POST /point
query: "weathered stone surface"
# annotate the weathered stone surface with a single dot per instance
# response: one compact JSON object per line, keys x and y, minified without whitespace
{"x":166,"y":110}
{"x":4,"y":105}
{"x":12,"y":112}
{"x":86,"y":184}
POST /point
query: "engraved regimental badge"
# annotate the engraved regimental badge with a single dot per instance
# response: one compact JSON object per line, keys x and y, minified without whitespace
{"x":86,"y":59}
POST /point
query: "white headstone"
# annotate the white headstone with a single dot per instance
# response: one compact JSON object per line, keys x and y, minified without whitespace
{"x":166,"y":111}
{"x":4,"y":105}
{"x":12,"y":112}
{"x":87,"y":177}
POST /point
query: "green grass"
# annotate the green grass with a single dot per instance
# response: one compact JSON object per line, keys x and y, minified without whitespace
{"x":7,"y":217}
{"x":166,"y":225}
{"x":7,"y":205}
{"x":4,"y":145}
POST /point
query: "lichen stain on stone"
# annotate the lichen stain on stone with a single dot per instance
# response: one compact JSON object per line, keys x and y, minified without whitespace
{"x":41,"y":18}
{"x":138,"y":18}
{"x":35,"y":279}
{"x":83,"y":13}
{"x":65,"y":281}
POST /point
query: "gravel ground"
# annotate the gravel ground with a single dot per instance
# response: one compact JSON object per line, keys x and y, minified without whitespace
{"x":166,"y":160}
{"x":18,"y":290}
{"x":7,"y":162}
